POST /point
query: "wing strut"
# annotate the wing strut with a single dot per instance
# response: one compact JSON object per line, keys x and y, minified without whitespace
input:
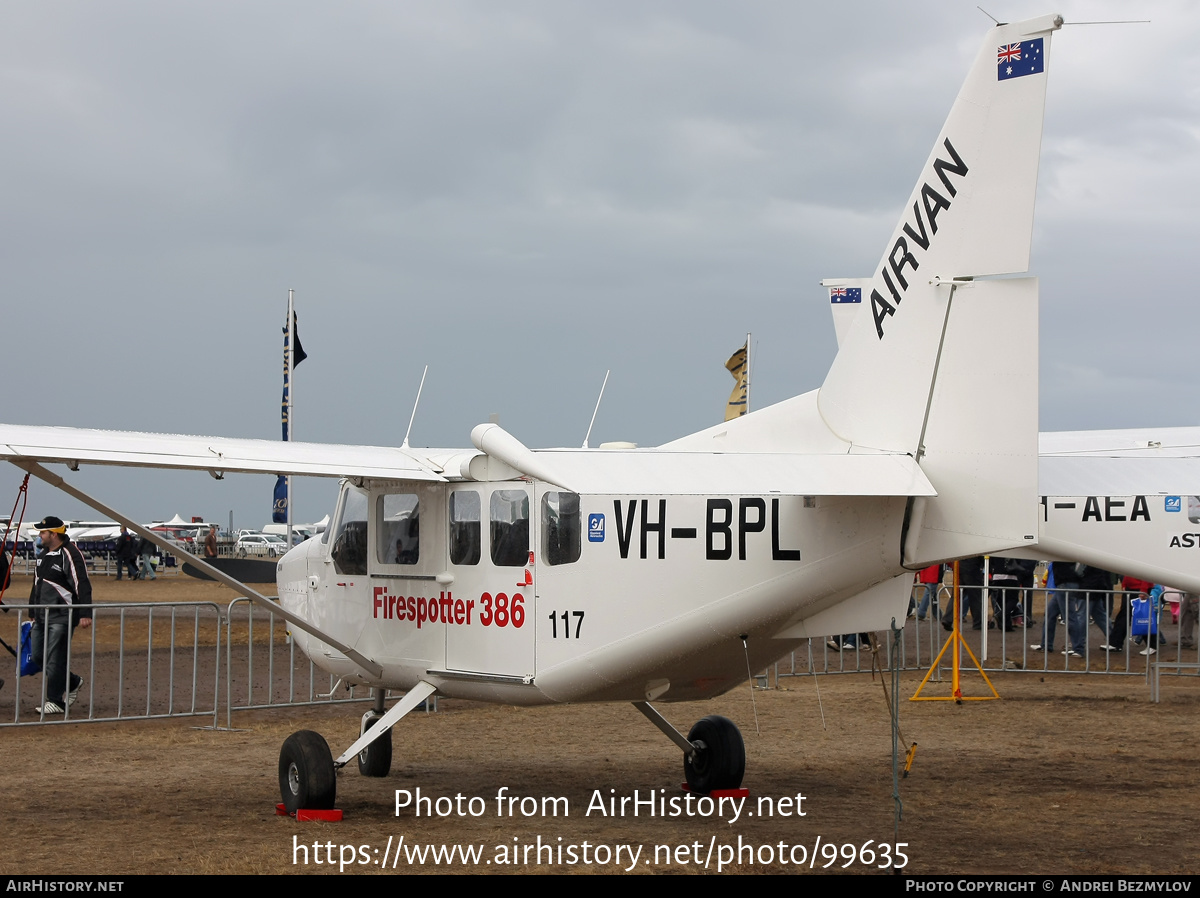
{"x":274,"y":607}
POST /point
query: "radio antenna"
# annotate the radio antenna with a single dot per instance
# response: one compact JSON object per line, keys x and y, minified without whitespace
{"x":404,"y":445}
{"x":596,"y":409}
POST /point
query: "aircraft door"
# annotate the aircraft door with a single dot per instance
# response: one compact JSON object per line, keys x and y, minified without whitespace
{"x":338,"y":575}
{"x":492,"y":561}
{"x":407,"y":564}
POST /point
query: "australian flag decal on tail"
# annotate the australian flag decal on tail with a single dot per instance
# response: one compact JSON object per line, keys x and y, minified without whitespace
{"x":1015,"y":60}
{"x":845,"y":294}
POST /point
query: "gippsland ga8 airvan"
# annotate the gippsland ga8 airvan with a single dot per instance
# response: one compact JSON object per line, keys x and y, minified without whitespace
{"x":654,"y":575}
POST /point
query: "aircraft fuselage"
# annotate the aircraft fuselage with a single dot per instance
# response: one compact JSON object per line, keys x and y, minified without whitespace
{"x":520,"y":592}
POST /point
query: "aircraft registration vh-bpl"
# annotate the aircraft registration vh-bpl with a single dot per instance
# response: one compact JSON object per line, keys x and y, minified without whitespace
{"x":505,"y":574}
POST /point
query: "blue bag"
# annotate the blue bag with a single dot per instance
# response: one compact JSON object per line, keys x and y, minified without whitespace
{"x":1144,"y":619}
{"x":29,"y":664}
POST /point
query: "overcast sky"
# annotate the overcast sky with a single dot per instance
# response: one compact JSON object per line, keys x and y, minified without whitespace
{"x":523,"y":195}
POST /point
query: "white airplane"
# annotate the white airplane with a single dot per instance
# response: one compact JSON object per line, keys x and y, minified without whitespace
{"x":505,"y":574}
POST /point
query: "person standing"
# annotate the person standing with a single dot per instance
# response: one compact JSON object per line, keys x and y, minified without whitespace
{"x":931,"y":579}
{"x":126,"y":553}
{"x":1187,"y":619}
{"x":62,"y":593}
{"x":146,"y":566}
{"x":1119,"y":629}
{"x":210,"y":543}
{"x":1065,"y":600}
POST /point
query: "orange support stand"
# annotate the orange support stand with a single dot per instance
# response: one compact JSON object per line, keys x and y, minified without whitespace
{"x":956,"y":640}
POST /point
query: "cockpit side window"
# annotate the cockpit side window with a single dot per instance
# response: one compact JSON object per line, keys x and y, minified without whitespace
{"x":510,"y":528}
{"x":349,"y":552}
{"x":399,"y":529}
{"x":560,"y":528}
{"x":466,"y":529}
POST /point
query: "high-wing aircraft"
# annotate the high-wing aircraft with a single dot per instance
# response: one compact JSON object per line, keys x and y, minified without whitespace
{"x":501,"y":573}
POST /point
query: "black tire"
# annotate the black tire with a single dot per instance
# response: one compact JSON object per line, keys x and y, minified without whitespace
{"x":271,"y":552}
{"x":241,"y":553}
{"x":376,"y":758}
{"x":307,"y":779}
{"x":721,"y":762}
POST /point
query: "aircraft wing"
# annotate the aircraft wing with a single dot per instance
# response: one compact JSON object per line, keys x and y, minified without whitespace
{"x":1148,"y":442}
{"x":1120,"y":462}
{"x":73,"y":446}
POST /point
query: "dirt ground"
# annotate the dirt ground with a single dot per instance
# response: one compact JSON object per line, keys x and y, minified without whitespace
{"x":1065,"y":774}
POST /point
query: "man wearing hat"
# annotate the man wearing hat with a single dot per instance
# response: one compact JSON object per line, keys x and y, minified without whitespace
{"x":62,"y":587}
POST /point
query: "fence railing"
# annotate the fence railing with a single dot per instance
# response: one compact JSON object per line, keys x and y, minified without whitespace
{"x":137,"y":660}
{"x":1048,"y":631}
{"x":143,"y":660}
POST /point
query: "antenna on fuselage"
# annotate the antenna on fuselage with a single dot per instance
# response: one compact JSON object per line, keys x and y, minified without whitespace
{"x":596,"y":409}
{"x":411,"y":417}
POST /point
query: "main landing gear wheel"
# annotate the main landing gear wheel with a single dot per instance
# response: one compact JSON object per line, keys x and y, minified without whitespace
{"x":376,"y":758}
{"x":719,"y":759}
{"x":307,"y":779}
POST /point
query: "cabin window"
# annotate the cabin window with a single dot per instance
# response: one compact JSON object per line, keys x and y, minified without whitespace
{"x":560,"y":528}
{"x":510,"y":528}
{"x":466,"y":528}
{"x":349,"y":552}
{"x":399,"y":530}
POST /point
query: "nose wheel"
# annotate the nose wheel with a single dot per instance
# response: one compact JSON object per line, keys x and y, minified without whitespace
{"x":307,"y":779}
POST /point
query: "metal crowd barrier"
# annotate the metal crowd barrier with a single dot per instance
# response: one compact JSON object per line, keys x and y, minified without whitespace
{"x":99,"y":555}
{"x":1000,"y":648}
{"x":162,"y":662}
{"x":256,"y":663}
{"x":145,"y":660}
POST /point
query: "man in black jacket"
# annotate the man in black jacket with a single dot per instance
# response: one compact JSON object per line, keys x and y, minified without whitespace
{"x":63,"y":592}
{"x":126,"y":554}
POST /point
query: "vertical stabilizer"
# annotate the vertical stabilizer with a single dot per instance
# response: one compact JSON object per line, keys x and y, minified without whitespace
{"x":970,"y":215}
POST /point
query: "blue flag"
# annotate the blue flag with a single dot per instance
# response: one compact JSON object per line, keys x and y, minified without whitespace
{"x":279,"y":508}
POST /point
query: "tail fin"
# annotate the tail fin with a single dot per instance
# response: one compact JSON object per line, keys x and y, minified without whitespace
{"x":970,"y":215}
{"x":941,"y":366}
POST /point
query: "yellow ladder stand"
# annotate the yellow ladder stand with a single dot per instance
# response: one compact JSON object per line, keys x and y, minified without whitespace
{"x":956,"y":639}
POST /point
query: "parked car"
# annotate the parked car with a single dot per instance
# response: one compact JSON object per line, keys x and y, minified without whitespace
{"x":260,"y":544}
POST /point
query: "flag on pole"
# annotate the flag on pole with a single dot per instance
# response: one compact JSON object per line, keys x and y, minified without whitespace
{"x":300,"y":356}
{"x":738,"y":366}
{"x":279,"y":507}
